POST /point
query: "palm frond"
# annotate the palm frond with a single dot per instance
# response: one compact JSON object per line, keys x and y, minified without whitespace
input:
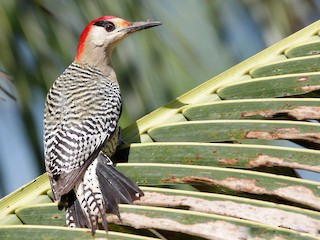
{"x":217,"y":162}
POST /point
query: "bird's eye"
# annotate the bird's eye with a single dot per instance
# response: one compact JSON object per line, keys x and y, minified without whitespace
{"x":109,"y":27}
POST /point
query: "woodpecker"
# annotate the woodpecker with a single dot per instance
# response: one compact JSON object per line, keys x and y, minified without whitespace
{"x":81,"y":131}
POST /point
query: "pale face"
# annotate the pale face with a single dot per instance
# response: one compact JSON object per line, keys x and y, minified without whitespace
{"x":101,"y":36}
{"x":107,"y":32}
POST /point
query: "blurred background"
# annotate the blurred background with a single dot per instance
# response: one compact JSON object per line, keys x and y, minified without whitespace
{"x":198,"y":40}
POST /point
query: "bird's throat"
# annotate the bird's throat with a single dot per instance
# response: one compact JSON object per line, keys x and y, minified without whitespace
{"x":98,"y":58}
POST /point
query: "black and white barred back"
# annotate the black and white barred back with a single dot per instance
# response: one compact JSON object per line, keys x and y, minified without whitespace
{"x":81,"y":116}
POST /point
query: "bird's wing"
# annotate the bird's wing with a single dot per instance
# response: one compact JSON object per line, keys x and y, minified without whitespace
{"x":74,"y":137}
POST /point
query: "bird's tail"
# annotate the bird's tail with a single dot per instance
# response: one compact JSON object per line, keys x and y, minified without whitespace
{"x":102,"y":188}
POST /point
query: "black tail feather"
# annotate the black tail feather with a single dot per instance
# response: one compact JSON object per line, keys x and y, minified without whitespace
{"x":75,"y":215}
{"x":115,"y":187}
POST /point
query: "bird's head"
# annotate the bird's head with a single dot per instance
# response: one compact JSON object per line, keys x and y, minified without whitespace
{"x":101,"y":35}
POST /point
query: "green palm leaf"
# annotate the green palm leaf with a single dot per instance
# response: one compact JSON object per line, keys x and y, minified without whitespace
{"x":244,"y":187}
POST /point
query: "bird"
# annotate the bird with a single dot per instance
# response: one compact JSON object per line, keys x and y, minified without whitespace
{"x":81,"y":131}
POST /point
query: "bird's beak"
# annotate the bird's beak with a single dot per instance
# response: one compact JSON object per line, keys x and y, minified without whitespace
{"x":137,"y":26}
